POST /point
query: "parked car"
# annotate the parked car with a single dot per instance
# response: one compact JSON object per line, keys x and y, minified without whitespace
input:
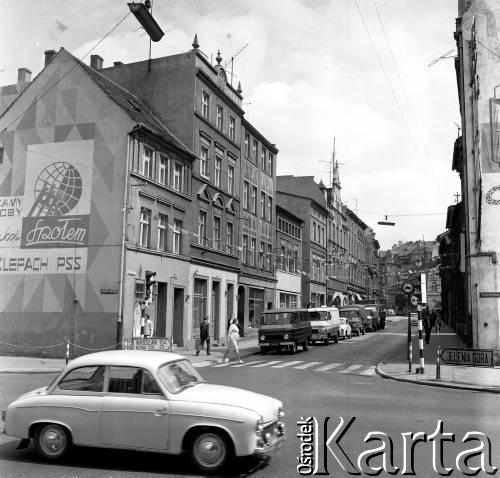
{"x":148,"y":401}
{"x":325,"y":324}
{"x":345,"y":329}
{"x":373,"y":317}
{"x":284,"y":328}
{"x":356,"y":317}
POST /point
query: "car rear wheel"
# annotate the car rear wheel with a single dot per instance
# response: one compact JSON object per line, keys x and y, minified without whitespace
{"x":264,"y":350}
{"x":52,"y":441}
{"x":336,"y":338}
{"x":327,"y":341}
{"x":209,"y":451}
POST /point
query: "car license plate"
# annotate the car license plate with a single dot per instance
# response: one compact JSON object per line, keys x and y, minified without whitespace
{"x":264,"y":343}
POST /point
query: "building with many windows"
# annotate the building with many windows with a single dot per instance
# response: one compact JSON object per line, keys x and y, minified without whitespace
{"x":257,"y":280}
{"x":288,"y":258}
{"x":99,"y":193}
{"x":205,"y":112}
{"x":303,"y":196}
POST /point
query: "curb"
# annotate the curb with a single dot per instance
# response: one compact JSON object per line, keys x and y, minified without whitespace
{"x":428,"y":383}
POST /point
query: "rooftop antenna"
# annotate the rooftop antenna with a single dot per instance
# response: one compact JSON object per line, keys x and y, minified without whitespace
{"x":232,"y":60}
{"x":459,"y":128}
{"x":444,"y":56}
{"x":332,"y":163}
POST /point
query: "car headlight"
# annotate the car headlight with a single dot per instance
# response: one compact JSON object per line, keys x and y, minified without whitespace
{"x":262,"y":337}
{"x":285,"y":336}
{"x":281,"y":413}
{"x":259,"y":428}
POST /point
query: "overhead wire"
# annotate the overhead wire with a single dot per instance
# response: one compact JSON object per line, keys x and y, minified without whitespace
{"x":65,"y":74}
{"x":401,"y":82}
{"x":391,"y":89}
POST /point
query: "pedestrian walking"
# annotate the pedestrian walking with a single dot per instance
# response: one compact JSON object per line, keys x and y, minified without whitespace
{"x":426,"y":322}
{"x":233,"y":335}
{"x":204,"y":336}
{"x":148,"y":327}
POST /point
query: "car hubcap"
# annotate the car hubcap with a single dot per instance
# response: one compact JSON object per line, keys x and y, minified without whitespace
{"x":210,"y":450}
{"x":53,"y":441}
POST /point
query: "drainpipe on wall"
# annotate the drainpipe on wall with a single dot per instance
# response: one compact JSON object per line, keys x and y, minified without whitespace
{"x":119,"y":321}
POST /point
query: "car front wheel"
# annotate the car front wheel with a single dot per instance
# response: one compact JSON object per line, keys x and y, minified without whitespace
{"x":52,"y":441}
{"x":209,"y":451}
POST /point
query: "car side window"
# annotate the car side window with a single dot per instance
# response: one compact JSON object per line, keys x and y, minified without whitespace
{"x":131,"y":380}
{"x":89,"y":379}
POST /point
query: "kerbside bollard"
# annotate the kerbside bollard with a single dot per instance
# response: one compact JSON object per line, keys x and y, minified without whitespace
{"x":420,"y":344}
{"x":410,"y":355}
{"x":438,"y":363}
{"x":67,"y":351}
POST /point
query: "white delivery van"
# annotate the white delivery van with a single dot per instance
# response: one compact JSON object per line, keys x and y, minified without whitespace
{"x":325,"y":324}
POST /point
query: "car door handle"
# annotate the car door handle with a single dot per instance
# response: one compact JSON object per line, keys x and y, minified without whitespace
{"x":160,"y":411}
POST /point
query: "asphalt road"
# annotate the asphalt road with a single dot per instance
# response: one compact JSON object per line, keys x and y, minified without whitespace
{"x":327,"y":381}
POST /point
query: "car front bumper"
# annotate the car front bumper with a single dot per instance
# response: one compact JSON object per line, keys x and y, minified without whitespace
{"x":273,"y":444}
{"x":275,"y":344}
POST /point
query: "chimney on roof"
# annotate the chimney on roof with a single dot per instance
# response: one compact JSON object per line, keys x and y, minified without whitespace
{"x":96,"y":62}
{"x":117,"y":63}
{"x":49,"y":56}
{"x":23,"y":75}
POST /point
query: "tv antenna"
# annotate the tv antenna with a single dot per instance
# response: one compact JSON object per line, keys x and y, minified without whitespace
{"x":232,"y":60}
{"x":332,"y":163}
{"x":459,"y":128}
{"x":444,"y":56}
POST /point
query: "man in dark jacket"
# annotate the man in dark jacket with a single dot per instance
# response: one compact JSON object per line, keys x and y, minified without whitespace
{"x":426,"y":322}
{"x":204,"y":336}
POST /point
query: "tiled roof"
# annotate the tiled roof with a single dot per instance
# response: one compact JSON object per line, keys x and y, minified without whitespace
{"x":303,"y":186}
{"x":135,"y":108}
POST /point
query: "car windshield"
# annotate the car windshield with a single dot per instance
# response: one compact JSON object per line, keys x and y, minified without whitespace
{"x":349,"y":314}
{"x":279,"y":318}
{"x":318,"y":315}
{"x":179,"y":375}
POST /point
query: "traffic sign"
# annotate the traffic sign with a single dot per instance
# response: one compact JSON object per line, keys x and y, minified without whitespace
{"x":407,"y":288}
{"x":414,"y":300}
{"x":468,"y":357}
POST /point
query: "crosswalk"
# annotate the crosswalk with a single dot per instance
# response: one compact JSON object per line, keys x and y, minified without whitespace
{"x":320,"y":367}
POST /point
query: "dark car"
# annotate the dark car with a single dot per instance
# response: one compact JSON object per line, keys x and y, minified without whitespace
{"x":284,"y":328}
{"x":356,"y":317}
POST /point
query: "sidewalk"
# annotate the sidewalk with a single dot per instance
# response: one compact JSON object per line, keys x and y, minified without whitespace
{"x":12,"y":364}
{"x":395,"y":366}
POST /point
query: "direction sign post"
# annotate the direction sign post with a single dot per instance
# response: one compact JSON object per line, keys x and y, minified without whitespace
{"x":467,"y":357}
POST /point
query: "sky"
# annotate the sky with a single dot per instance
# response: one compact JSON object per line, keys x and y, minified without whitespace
{"x":313,"y":72}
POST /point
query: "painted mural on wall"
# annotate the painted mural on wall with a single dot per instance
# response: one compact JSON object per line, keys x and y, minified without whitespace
{"x":59,"y":230}
{"x":46,"y":230}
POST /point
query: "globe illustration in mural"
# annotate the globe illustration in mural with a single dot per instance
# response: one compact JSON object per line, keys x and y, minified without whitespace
{"x":57,"y":190}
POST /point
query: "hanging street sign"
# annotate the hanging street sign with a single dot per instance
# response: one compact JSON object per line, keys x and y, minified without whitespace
{"x":467,"y":357}
{"x":407,"y":288}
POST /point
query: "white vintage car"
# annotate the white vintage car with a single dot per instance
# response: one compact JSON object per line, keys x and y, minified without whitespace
{"x":148,"y":401}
